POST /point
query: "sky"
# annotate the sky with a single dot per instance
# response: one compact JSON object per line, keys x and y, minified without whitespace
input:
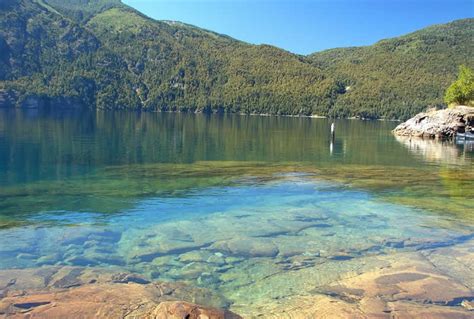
{"x":307,"y":26}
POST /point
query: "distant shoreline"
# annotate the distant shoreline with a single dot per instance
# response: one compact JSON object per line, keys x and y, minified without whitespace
{"x":314,"y":116}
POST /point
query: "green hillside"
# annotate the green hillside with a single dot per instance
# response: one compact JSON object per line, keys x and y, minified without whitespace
{"x":101,"y":53}
{"x":400,"y":76}
{"x":82,"y":10}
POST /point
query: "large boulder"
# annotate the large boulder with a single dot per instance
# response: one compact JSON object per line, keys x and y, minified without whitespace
{"x":438,"y":123}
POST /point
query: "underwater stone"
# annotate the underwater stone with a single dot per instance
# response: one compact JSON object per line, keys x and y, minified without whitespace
{"x":102,"y":249}
{"x":208,"y":279}
{"x":91,"y":243}
{"x":125,"y":278}
{"x":110,"y":259}
{"x":26,"y":256}
{"x":48,"y":259}
{"x":229,"y":276}
{"x":340,"y":257}
{"x":70,"y":279}
{"x":195,"y":256}
{"x":247,"y":247}
{"x":224,"y":268}
{"x":16,"y":248}
{"x":168,"y":260}
{"x":216,"y":259}
{"x":146,"y":250}
{"x":297,"y":245}
{"x":72,"y":248}
{"x":81,"y":261}
{"x":190,"y":271}
{"x":105,"y":236}
{"x":75,"y":238}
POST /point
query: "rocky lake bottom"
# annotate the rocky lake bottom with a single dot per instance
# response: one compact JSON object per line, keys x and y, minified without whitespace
{"x":361,"y":237}
{"x":260,"y":241}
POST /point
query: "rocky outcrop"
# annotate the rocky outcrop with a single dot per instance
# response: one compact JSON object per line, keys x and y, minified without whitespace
{"x":438,"y":123}
{"x":69,"y":292}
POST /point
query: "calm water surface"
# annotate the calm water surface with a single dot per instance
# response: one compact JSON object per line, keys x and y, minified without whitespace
{"x":236,"y":204}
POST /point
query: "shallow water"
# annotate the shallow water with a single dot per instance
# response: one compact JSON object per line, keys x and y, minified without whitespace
{"x":253,"y":208}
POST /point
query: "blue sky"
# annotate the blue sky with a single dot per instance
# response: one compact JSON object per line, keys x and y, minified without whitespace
{"x":306,"y":26}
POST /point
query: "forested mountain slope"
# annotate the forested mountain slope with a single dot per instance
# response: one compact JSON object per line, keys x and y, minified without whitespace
{"x":101,"y":53}
{"x":402,"y":75}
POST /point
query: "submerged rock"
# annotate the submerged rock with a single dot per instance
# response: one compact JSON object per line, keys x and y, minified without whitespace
{"x":441,"y":123}
{"x":246,"y":247}
{"x":195,"y":256}
{"x":408,"y":286}
{"x":124,"y":278}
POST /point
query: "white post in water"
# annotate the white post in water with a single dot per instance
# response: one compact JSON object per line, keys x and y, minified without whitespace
{"x":333,"y":130}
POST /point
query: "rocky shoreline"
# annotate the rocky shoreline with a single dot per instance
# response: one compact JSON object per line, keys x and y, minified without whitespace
{"x":75,"y":292}
{"x":445,"y":123}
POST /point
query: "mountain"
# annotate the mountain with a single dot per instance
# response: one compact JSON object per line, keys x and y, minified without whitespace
{"x":104,"y":54}
{"x":401,"y":75}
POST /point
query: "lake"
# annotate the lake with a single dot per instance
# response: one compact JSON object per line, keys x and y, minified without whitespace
{"x":257,"y":210}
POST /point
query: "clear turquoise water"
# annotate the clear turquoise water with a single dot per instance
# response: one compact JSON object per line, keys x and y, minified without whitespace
{"x":235,"y":204}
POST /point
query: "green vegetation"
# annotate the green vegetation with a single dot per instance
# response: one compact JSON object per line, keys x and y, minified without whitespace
{"x":82,"y":10}
{"x":399,"y":77}
{"x":103,"y":54}
{"x":461,"y":92}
